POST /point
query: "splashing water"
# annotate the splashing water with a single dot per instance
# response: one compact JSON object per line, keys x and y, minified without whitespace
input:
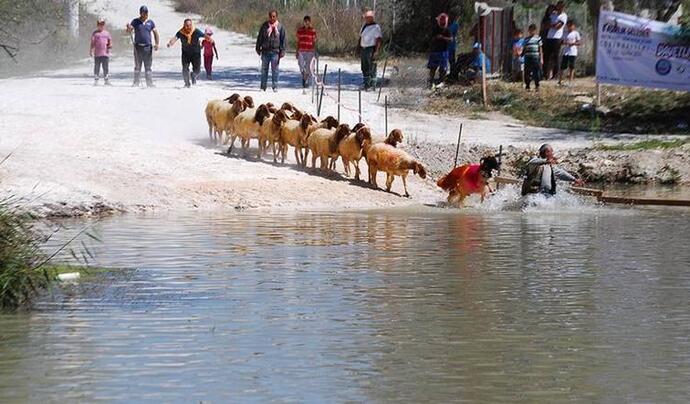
{"x":509,"y":198}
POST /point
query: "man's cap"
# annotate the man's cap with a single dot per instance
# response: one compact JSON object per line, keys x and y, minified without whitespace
{"x":477,"y":45}
{"x":143,"y":9}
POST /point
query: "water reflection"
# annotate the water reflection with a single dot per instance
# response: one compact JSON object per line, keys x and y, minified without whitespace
{"x":417,"y":305}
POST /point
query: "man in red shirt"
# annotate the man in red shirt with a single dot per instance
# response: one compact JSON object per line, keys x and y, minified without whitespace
{"x":306,"y":49}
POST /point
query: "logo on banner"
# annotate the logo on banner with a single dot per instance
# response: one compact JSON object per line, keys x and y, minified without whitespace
{"x":663,"y":67}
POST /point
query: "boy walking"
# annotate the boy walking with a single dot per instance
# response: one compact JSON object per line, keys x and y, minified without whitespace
{"x":101,"y":42}
{"x":209,"y":45}
{"x":533,"y":53}
{"x":571,"y":42}
{"x":306,"y":50}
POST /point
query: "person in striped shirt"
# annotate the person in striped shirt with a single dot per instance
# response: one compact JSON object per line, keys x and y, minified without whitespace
{"x":534,"y":57}
{"x":306,"y":49}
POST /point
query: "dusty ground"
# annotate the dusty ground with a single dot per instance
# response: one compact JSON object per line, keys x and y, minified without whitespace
{"x":81,"y":149}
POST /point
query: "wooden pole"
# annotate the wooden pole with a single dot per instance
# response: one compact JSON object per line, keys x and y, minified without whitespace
{"x":339,"y":82}
{"x":359,"y":96}
{"x":323,"y":85}
{"x":484,"y":95}
{"x":383,"y":76}
{"x":457,"y":147}
{"x":386,"y":112}
{"x":500,"y":160}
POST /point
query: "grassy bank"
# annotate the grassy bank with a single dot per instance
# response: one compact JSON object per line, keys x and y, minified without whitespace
{"x":625,"y":110}
{"x":25,"y":269}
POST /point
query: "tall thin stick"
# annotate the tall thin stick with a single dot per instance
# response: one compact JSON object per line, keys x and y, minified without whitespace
{"x":383,"y":76}
{"x":339,"y":82}
{"x":359,"y":96}
{"x":386,"y":110}
{"x":500,"y":159}
{"x":457,"y":148}
{"x":323,"y":85}
{"x":484,"y":95}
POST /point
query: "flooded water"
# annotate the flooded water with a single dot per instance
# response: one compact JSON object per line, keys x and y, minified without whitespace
{"x":415,"y":305}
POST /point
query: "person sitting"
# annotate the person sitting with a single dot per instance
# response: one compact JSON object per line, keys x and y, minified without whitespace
{"x":542,"y":173}
{"x":479,"y":64}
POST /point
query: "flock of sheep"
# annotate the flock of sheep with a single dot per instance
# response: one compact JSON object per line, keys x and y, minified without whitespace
{"x":327,"y":140}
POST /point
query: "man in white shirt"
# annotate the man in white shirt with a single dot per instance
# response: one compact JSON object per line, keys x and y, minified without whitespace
{"x":552,"y":45}
{"x":370,"y":38}
{"x":571,"y":42}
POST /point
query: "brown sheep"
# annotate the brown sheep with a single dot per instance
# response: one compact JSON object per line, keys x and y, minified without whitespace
{"x":224,"y":118}
{"x":247,"y":125}
{"x":294,"y":133}
{"x":351,"y":148}
{"x":270,"y":132}
{"x":323,"y":144}
{"x":249,"y":101}
{"x":384,"y":157}
{"x":393,"y":138}
{"x":210,"y":112}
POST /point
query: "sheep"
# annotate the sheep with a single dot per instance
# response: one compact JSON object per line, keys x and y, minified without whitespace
{"x":211,"y":110}
{"x":270,"y":132}
{"x":249,"y":101}
{"x":384,"y":157}
{"x":224,"y":117}
{"x":247,"y":126}
{"x":351,"y":149}
{"x":294,"y":133}
{"x":324,"y":143}
{"x":393,"y":138}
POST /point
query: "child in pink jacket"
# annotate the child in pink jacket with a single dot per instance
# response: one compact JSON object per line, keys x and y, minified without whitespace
{"x":101,"y":42}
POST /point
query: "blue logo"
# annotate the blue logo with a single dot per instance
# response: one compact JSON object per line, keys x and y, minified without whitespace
{"x":663,"y":67}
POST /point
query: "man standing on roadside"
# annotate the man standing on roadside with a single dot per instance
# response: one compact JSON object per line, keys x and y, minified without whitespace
{"x":143,"y":49}
{"x":270,"y":45}
{"x":552,"y":46}
{"x":191,"y":50}
{"x":438,"y":51}
{"x":370,"y":38}
{"x":306,"y":49}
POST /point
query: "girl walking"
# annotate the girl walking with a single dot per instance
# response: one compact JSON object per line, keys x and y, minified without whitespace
{"x":209,"y":45}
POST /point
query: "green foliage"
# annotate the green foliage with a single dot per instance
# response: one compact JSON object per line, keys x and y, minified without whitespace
{"x":20,"y":257}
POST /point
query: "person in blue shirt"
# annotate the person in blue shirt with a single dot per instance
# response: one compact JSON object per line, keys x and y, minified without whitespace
{"x":475,"y":68}
{"x":143,"y":49}
{"x":454,"y":28}
{"x":191,"y":50}
{"x":518,"y":65}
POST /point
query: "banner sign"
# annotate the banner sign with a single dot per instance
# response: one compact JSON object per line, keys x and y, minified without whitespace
{"x":634,"y":51}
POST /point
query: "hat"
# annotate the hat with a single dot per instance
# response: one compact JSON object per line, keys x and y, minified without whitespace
{"x":369,"y":13}
{"x":208,"y":31}
{"x":477,"y":45}
{"x":100,"y":20}
{"x":143,"y":9}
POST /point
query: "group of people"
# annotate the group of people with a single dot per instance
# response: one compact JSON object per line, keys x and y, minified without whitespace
{"x":535,"y":57}
{"x":270,"y":46}
{"x":146,"y":40}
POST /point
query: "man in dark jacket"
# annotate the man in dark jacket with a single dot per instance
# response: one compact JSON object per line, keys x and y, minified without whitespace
{"x":270,"y":45}
{"x":191,"y":50}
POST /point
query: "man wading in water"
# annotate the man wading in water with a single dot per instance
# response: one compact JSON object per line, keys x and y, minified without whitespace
{"x":191,"y":50}
{"x":542,"y":173}
{"x":143,"y":49}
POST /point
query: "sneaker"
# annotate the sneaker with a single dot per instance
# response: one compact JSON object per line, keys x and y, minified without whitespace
{"x":107,"y":82}
{"x":150,"y":85}
{"x":95,"y":82}
{"x":135,"y":84}
{"x":187,"y":85}
{"x":304,"y":83}
{"x":275,"y":89}
{"x":439,"y":85}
